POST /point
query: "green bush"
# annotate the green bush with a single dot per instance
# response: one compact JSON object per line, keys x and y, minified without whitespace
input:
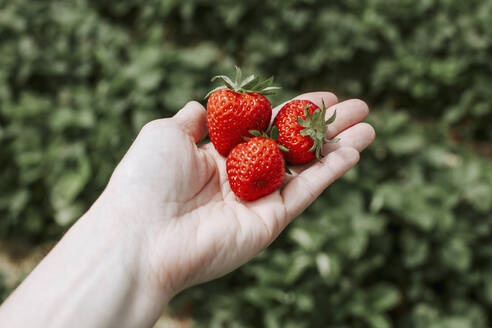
{"x":402,"y":240}
{"x":3,"y":289}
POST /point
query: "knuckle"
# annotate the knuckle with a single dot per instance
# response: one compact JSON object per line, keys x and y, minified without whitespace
{"x":152,"y":126}
{"x":193,"y":103}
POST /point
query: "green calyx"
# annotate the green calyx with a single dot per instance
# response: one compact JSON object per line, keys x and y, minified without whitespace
{"x":251,"y":84}
{"x":315,"y":126}
{"x":273,"y":135}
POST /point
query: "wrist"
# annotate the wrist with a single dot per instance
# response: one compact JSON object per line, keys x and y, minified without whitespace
{"x":142,"y":227}
{"x":94,"y":277}
{"x":133,"y":233}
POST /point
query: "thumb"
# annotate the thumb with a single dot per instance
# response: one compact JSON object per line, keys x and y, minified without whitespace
{"x":192,"y":120}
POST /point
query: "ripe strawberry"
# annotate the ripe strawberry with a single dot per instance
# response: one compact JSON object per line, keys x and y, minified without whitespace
{"x":255,"y":168}
{"x":236,"y":108}
{"x":302,"y":129}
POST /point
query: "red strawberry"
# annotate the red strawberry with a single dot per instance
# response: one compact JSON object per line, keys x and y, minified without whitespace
{"x":302,"y":130}
{"x":236,"y":108}
{"x":255,"y":168}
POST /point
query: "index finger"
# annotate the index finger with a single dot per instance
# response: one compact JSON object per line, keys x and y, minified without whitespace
{"x":316,"y":97}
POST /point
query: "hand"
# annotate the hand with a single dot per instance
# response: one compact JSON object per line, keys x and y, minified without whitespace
{"x":167,"y":220}
{"x":176,"y":197}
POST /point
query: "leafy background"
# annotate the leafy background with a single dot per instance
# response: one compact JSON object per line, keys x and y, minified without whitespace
{"x":403,"y":240}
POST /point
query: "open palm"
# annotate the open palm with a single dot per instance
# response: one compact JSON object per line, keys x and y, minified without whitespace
{"x":177,"y":194}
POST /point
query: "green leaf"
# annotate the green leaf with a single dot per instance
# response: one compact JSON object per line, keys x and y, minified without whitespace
{"x":307,"y":115}
{"x":407,"y":143}
{"x":326,"y":140}
{"x":269,"y":90}
{"x":302,"y":122}
{"x":239,"y":74}
{"x":261,"y":85}
{"x":378,"y":321}
{"x":283,"y":148}
{"x":249,"y":82}
{"x":298,"y":267}
{"x":226,"y":80}
{"x":212,"y":91}
{"x":274,"y":133}
{"x":384,"y":297}
{"x":302,"y":237}
{"x":332,"y":118}
{"x":66,"y":215}
{"x":456,"y":255}
{"x":255,"y":133}
{"x":71,"y":183}
{"x":18,"y":202}
{"x":308,"y":132}
{"x":328,"y":267}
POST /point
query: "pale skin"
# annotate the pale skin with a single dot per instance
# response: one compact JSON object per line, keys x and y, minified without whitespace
{"x":168,"y":220}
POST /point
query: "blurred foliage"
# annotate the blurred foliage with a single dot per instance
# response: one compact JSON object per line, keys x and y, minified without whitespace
{"x":402,"y":240}
{"x":3,"y":289}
